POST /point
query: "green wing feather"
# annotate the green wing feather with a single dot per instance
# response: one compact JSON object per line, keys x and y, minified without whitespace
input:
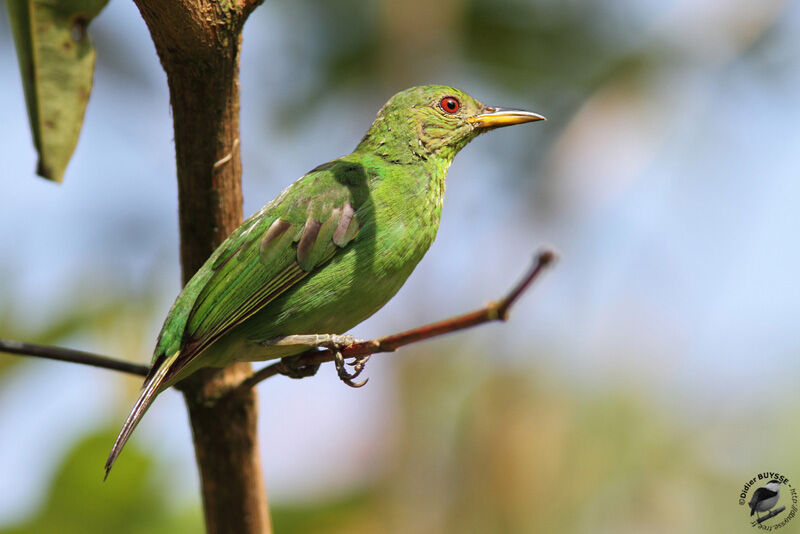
{"x":269,"y":253}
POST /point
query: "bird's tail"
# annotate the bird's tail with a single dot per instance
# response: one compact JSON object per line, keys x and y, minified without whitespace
{"x":150,"y":389}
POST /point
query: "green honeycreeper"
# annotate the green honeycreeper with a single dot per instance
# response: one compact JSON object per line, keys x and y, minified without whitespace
{"x":329,"y":251}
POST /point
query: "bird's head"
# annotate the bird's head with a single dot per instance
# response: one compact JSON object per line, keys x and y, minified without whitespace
{"x":773,"y":485}
{"x":435,"y":121}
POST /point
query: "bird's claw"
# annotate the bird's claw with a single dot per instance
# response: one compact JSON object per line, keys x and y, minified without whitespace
{"x":335,"y":343}
{"x":357,"y":365}
{"x":291,"y":367}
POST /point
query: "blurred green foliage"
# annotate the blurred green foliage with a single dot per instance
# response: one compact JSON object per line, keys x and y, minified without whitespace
{"x":520,"y":47}
{"x":513,"y":450}
{"x":131,"y":501}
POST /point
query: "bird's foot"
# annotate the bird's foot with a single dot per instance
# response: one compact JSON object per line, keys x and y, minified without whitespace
{"x":291,"y":367}
{"x":358,"y":367}
{"x":334,"y":343}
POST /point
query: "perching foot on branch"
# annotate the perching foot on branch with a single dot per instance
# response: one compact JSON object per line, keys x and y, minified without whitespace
{"x":296,"y":367}
{"x":357,"y":365}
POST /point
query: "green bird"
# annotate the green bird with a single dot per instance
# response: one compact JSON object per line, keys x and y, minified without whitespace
{"x":328,"y":252}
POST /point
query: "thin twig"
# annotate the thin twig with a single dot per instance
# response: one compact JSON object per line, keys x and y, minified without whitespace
{"x":494,"y":311}
{"x":74,"y":356}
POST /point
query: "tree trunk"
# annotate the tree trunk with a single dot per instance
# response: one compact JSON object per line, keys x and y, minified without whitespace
{"x":199,"y":42}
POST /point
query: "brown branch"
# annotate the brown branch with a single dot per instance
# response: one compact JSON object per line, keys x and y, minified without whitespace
{"x":494,"y":311}
{"x":20,"y":348}
{"x":770,"y":515}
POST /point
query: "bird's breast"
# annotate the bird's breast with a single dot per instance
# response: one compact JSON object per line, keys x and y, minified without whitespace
{"x":407,"y":218}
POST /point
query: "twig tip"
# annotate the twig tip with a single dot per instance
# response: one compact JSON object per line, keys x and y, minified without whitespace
{"x":546,"y":256}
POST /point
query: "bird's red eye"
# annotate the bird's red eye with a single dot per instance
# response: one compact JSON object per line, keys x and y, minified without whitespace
{"x":450,"y":104}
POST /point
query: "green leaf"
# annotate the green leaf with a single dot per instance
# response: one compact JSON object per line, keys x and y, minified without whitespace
{"x":56,"y":61}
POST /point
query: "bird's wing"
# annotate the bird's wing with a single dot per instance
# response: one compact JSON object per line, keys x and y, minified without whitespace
{"x":273,"y":250}
{"x":761,"y":494}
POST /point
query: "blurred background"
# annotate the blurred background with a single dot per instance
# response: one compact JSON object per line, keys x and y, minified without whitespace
{"x":636,"y":388}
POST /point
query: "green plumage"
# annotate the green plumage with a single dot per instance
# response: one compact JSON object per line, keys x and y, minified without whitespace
{"x":329,"y":251}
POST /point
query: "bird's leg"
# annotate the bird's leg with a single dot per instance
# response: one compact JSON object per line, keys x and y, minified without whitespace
{"x":290,"y":365}
{"x":333,"y":342}
{"x":312,"y":341}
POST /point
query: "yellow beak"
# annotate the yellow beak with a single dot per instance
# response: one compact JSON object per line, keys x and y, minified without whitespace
{"x":498,"y":117}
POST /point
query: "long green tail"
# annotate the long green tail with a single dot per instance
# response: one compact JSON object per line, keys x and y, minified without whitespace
{"x":150,"y":389}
